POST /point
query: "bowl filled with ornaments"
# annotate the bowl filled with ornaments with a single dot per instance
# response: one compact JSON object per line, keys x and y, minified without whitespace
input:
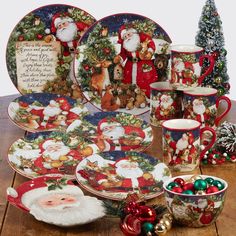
{"x":195,"y":200}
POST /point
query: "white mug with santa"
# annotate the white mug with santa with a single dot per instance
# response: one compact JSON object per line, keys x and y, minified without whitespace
{"x":202,"y":104}
{"x":186,"y":66}
{"x":182,"y":147}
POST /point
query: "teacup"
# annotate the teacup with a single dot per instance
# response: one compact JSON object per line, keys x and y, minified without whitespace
{"x":201,"y":104}
{"x":181,"y":143}
{"x":165,"y":103}
{"x":186,"y":65}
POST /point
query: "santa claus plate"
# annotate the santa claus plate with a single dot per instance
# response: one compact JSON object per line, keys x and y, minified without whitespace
{"x":56,"y":200}
{"x":119,"y":57}
{"x":45,"y":111}
{"x":114,"y":174}
{"x":41,"y":49}
{"x":118,"y":130}
{"x":50,"y":153}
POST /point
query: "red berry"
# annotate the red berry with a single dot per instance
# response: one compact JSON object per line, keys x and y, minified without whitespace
{"x":212,"y":189}
{"x":188,"y":186}
{"x":179,"y":181}
{"x":21,"y":38}
{"x":177,"y":190}
{"x":39,"y":36}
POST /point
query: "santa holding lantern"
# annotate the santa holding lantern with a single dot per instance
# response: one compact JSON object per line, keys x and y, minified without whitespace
{"x":135,"y":56}
{"x":66,"y":30}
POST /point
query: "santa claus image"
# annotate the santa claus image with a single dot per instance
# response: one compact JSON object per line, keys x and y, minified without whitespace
{"x":63,"y":207}
{"x":137,"y":70}
{"x":200,"y":111}
{"x":67,"y":31}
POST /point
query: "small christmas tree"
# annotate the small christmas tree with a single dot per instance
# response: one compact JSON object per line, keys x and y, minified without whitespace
{"x":210,"y":37}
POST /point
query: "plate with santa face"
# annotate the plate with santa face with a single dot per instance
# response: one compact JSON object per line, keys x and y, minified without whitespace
{"x":50,"y":153}
{"x":117,"y":130}
{"x":56,"y":200}
{"x":115,"y":174}
{"x":45,"y":111}
{"x":41,"y":49}
{"x":119,"y":57}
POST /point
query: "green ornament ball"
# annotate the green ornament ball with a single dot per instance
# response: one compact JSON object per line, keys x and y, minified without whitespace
{"x":147,"y":227}
{"x":220,"y":65}
{"x":218,"y":184}
{"x":200,"y":184}
{"x":209,"y":180}
{"x":172,"y":185}
{"x":221,"y":91}
{"x":224,"y":52}
{"x":189,"y":192}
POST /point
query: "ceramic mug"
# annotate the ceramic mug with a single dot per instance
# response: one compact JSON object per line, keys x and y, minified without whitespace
{"x":186,"y":65}
{"x":202,"y":103}
{"x":181,"y":143}
{"x":165,"y":103}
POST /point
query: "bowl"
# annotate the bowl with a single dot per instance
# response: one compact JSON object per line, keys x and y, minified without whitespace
{"x":196,"y":210}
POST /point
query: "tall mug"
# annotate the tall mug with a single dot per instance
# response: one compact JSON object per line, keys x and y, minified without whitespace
{"x":181,"y":143}
{"x":165,"y":103}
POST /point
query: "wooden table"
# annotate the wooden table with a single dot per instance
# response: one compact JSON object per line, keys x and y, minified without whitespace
{"x":15,"y":222}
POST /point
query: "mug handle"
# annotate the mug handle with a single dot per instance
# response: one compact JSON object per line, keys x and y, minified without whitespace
{"x":209,"y":69}
{"x":229,"y":104}
{"x":211,"y":143}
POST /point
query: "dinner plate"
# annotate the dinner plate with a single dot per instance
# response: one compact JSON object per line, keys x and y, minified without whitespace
{"x":115,"y":174}
{"x":56,"y":200}
{"x":41,"y":49}
{"x":45,"y":111}
{"x":115,"y":76}
{"x":49,"y":153}
{"x":117,"y":131}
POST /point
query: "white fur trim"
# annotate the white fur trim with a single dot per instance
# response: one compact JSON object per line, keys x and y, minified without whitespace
{"x":50,"y":142}
{"x":150,"y":50}
{"x":125,"y":31}
{"x":106,"y":124}
{"x":60,"y":20}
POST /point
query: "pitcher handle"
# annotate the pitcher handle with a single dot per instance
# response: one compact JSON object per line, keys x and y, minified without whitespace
{"x":229,"y":104}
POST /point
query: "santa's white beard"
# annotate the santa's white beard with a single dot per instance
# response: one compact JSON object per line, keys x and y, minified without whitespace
{"x":114,"y":134}
{"x":85,"y":210}
{"x":132,"y":43}
{"x":199,"y":109}
{"x":202,"y":204}
{"x":167,"y":104}
{"x":55,"y":155}
{"x":67,"y":34}
{"x":129,"y":173}
{"x":51,"y":111}
{"x":182,"y":144}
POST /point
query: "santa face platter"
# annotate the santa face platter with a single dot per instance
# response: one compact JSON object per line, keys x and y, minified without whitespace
{"x":114,"y":174}
{"x":56,"y":200}
{"x":44,"y":111}
{"x":195,"y":210}
{"x":50,"y":153}
{"x":118,"y":131}
{"x":41,"y":49}
{"x":119,"y":56}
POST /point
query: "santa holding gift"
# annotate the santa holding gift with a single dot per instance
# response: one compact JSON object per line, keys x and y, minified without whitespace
{"x":66,"y":30}
{"x":200,"y":111}
{"x":138,"y":70}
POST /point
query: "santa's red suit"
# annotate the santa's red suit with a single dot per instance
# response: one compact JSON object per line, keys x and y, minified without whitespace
{"x":202,"y":118}
{"x":134,"y":69}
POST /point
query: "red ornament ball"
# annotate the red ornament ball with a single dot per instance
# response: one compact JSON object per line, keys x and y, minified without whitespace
{"x":132,"y":208}
{"x":188,"y":186}
{"x":146,"y":214}
{"x":86,"y":67}
{"x":212,"y":189}
{"x":177,"y":190}
{"x":130,"y":226}
{"x":179,"y":181}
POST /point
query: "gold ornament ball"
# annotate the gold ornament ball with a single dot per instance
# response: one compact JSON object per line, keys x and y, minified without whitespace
{"x":160,"y":229}
{"x":166,"y":222}
{"x":218,"y":80}
{"x":200,"y":192}
{"x":149,"y":234}
{"x":194,"y":178}
{"x":168,"y":216}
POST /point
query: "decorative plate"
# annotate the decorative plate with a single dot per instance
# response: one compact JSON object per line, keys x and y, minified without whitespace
{"x":45,"y":111}
{"x":114,"y":174}
{"x":117,"y":131}
{"x":56,"y":200}
{"x":119,"y":56}
{"x":41,"y":49}
{"x":50,"y":153}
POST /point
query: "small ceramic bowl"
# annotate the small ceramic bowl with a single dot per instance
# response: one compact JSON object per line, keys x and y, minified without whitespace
{"x":195,"y":210}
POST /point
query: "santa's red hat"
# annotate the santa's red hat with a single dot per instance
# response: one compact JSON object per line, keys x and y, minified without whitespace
{"x":59,"y":18}
{"x":189,"y":66}
{"x":123,"y":30}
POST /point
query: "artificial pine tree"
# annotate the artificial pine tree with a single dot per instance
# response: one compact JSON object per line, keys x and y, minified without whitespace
{"x":210,"y":37}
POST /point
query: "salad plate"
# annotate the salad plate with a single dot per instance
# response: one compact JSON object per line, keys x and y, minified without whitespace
{"x":41,"y":49}
{"x":50,"y":153}
{"x":114,"y":175}
{"x":45,"y":111}
{"x":56,"y":200}
{"x":119,"y":57}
